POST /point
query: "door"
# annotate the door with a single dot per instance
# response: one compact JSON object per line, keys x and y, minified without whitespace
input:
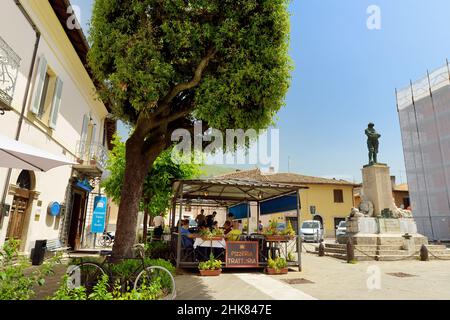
{"x":77,"y":219}
{"x":17,"y":218}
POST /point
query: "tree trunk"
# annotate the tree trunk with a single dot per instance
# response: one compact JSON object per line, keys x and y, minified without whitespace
{"x":136,"y":169}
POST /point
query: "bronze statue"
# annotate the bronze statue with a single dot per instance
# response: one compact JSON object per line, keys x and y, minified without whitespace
{"x":372,"y":143}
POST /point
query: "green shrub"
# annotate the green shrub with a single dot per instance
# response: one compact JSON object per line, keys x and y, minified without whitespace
{"x":17,"y":279}
{"x":158,"y":250}
{"x":102,"y":291}
{"x":211,"y":264}
{"x":277,"y":263}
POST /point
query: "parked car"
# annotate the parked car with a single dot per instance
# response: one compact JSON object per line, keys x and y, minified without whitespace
{"x":341,"y":229}
{"x":311,"y":230}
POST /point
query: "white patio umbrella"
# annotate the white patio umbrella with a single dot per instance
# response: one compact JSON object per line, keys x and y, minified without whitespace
{"x":18,"y":155}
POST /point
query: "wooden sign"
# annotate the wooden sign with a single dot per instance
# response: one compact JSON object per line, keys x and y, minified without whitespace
{"x":242,"y":254}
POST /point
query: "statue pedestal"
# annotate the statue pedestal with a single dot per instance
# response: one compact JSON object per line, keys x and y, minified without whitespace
{"x":381,"y":231}
{"x":377,"y":187}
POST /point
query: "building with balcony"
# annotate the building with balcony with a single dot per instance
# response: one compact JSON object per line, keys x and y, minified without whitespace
{"x":424,"y":113}
{"x":47,"y":100}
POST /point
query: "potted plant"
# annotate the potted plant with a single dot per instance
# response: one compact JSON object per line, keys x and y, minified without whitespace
{"x":212,"y":267}
{"x":276,"y":266}
{"x":272,"y":233}
{"x":289,"y":231}
{"x":93,"y":161}
{"x":214,"y":235}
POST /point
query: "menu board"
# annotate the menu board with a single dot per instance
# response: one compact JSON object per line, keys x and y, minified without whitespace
{"x":242,"y":254}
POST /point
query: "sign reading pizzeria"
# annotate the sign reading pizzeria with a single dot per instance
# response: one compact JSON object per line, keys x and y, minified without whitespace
{"x":242,"y":254}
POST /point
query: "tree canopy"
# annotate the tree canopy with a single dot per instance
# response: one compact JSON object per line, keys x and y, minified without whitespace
{"x":148,"y":52}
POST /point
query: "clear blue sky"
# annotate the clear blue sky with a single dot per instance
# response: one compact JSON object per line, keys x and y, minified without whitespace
{"x":345,"y":76}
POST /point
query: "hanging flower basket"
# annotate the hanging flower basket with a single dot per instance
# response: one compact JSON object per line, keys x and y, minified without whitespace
{"x":210,"y":273}
{"x":273,"y":271}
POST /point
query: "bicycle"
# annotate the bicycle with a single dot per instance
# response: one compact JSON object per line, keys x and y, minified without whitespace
{"x":87,"y":274}
{"x":105,"y":239}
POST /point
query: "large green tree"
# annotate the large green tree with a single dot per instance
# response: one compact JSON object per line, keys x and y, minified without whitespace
{"x":164,"y":63}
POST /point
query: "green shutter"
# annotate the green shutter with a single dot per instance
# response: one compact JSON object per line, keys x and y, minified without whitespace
{"x":39,"y":84}
{"x":56,"y":103}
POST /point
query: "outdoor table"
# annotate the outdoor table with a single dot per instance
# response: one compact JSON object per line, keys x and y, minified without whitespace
{"x":202,"y":245}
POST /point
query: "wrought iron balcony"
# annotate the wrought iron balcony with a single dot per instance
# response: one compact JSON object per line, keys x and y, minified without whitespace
{"x":92,"y":158}
{"x":9,"y":66}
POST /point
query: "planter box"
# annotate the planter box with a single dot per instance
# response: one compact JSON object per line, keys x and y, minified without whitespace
{"x":278,"y":238}
{"x":214,"y":238}
{"x":273,"y":271}
{"x":209,"y":273}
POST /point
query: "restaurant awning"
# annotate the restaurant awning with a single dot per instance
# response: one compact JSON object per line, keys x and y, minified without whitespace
{"x":229,"y":192}
{"x":18,"y":155}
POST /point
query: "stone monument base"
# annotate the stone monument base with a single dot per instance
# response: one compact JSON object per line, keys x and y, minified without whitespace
{"x":381,"y":231}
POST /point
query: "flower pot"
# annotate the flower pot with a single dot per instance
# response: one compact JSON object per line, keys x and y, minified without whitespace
{"x":273,"y":271}
{"x":214,"y":238}
{"x":209,"y":273}
{"x":277,"y":238}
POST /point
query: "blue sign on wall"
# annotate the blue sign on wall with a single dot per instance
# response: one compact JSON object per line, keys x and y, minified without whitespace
{"x":54,"y":208}
{"x":99,"y":215}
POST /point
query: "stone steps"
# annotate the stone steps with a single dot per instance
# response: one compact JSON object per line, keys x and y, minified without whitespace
{"x":384,"y":252}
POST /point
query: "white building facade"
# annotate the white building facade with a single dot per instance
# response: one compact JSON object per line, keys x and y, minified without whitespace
{"x":48,"y":100}
{"x":424,"y":113}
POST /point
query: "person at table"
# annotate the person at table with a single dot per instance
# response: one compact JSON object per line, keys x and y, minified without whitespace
{"x":230,"y":233}
{"x":210,"y":220}
{"x":215,"y":225}
{"x":158,"y":223}
{"x":187,"y":238}
{"x":200,"y":219}
{"x":230,"y":217}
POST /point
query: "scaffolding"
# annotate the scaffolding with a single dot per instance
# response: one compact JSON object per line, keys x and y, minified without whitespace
{"x":424,"y":114}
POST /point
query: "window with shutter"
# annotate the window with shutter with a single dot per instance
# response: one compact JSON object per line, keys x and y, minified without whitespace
{"x":56,"y":104}
{"x":338,"y":196}
{"x":39,"y":85}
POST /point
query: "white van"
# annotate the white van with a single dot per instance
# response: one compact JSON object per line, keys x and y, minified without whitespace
{"x":311,"y":230}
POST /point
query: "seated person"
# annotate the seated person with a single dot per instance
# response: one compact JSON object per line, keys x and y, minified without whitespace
{"x":227,"y":227}
{"x":230,"y":233}
{"x":187,"y":238}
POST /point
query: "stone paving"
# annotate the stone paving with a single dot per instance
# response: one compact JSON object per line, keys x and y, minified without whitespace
{"x":327,"y":278}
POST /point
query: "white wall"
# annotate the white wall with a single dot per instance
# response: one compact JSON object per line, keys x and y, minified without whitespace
{"x":77,"y":99}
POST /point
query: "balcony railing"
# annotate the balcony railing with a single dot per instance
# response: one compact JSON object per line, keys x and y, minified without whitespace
{"x":92,"y":154}
{"x":9,"y":66}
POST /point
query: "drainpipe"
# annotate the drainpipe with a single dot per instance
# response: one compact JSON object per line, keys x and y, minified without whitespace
{"x":25,"y":100}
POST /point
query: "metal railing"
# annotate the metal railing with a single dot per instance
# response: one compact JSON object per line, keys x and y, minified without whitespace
{"x":91,"y":154}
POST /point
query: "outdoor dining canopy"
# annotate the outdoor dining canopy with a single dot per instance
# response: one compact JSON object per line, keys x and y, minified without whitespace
{"x":233,"y":193}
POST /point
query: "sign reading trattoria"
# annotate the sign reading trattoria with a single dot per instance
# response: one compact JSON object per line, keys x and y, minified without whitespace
{"x":242,"y":254}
